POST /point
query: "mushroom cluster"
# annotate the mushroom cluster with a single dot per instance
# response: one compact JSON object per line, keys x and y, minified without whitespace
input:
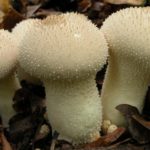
{"x":127,"y":76}
{"x":65,"y":51}
{"x":8,"y":81}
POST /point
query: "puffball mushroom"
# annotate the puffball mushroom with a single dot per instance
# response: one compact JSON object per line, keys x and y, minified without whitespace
{"x":65,"y":51}
{"x":8,"y":81}
{"x":19,"y":32}
{"x":127,"y":76}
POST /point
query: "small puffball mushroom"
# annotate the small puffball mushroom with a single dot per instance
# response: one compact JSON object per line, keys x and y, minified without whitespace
{"x":108,"y":127}
{"x":105,"y":126}
{"x":65,"y":51}
{"x":111,"y":128}
{"x":19,"y":32}
{"x":8,"y":81}
{"x":127,"y":76}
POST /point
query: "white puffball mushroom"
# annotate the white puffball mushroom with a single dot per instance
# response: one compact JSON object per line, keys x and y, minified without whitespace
{"x":65,"y":52}
{"x":111,"y":128}
{"x":127,"y":76}
{"x":19,"y":32}
{"x":105,"y":126}
{"x":108,"y":127}
{"x":8,"y":81}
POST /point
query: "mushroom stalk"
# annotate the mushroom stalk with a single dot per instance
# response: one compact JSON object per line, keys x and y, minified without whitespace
{"x":8,"y":86}
{"x":122,"y":85}
{"x":74,"y":107}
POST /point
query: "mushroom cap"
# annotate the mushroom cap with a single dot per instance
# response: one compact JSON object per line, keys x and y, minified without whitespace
{"x":126,"y":32}
{"x":19,"y":32}
{"x":22,"y":27}
{"x":63,"y":46}
{"x":8,"y":53}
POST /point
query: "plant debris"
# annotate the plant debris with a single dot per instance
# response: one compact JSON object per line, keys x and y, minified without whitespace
{"x":136,"y":124}
{"x":132,"y":2}
{"x":107,"y":139}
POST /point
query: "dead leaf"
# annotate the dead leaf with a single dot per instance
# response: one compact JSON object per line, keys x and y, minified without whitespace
{"x":35,"y":2}
{"x":131,"y":2}
{"x":127,"y":110}
{"x":32,"y":9}
{"x":5,"y":144}
{"x":19,"y":126}
{"x":5,"y":5}
{"x":141,"y":120}
{"x":19,"y":5}
{"x":1,"y":16}
{"x":83,"y":5}
{"x":106,"y":140}
{"x":127,"y":146}
{"x":97,"y":6}
{"x":11,"y":19}
{"x":42,"y":13}
{"x":136,"y":129}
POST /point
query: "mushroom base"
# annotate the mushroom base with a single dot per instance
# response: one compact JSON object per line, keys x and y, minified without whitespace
{"x":8,"y":86}
{"x":74,"y":109}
